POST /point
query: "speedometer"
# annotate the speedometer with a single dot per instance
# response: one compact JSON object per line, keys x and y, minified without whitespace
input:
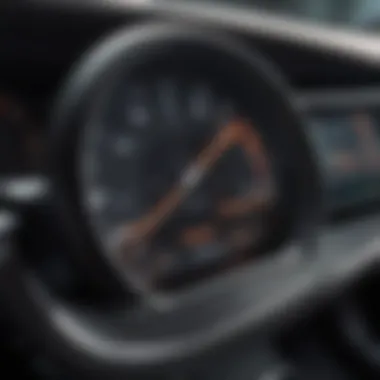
{"x":177,"y":178}
{"x":187,"y":157}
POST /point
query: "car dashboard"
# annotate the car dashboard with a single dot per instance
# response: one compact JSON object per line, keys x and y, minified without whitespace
{"x":187,"y":190}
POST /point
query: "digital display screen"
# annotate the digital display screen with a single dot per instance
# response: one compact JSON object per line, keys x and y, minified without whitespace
{"x":348,"y":148}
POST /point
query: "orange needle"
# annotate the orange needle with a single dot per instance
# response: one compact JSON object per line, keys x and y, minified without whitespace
{"x":256,"y":200}
{"x":191,"y":178}
{"x":251,"y":143}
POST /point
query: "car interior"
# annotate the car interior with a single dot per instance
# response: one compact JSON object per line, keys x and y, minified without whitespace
{"x":190,"y":189}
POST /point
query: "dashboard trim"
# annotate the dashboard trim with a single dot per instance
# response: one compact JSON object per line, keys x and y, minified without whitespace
{"x":359,"y":46}
{"x":335,"y":98}
{"x":90,"y":338}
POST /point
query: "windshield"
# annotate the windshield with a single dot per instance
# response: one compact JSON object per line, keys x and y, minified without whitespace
{"x":363,"y":14}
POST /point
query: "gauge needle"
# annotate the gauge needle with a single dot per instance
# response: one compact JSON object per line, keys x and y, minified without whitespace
{"x":193,"y":175}
{"x":259,"y":197}
{"x":252,"y":144}
{"x":256,"y":200}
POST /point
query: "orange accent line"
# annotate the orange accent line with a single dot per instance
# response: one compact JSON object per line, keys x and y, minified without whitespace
{"x":149,"y":224}
{"x":254,"y":201}
{"x":234,"y":133}
{"x":198,"y":235}
{"x":253,"y":146}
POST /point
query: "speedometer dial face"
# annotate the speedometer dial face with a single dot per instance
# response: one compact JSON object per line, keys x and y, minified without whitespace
{"x":178,"y":180}
{"x":177,"y":156}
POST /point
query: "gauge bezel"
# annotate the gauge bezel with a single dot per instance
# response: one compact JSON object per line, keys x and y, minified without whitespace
{"x":126,"y":50}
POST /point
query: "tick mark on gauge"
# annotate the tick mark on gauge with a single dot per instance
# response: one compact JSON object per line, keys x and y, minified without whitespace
{"x":200,"y":103}
{"x":168,"y":98}
{"x":125,"y":147}
{"x":138,"y":116}
{"x":98,"y":200}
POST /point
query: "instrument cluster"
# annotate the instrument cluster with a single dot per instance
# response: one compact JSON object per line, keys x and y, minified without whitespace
{"x":175,"y":166}
{"x":172,"y":167}
{"x":178,"y":157}
{"x":177,"y":177}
